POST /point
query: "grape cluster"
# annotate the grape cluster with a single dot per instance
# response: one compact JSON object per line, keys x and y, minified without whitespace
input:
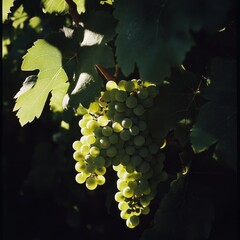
{"x":115,"y":133}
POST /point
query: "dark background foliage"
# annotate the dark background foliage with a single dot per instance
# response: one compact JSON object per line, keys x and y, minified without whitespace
{"x":40,"y":199}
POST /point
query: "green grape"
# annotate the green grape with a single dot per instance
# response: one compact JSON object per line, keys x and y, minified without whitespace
{"x":139,"y":140}
{"x":145,"y":210}
{"x":80,"y":178}
{"x":139,"y":110}
{"x":121,"y":184}
{"x":125,"y":215}
{"x":111,"y":85}
{"x":113,"y":139}
{"x":126,"y":123}
{"x":93,"y":107}
{"x":87,"y":116}
{"x":99,"y":161}
{"x":82,"y":123}
{"x":128,"y":192}
{"x":144,"y":167}
{"x":85,"y":149}
{"x":100,"y":170}
{"x":121,"y":85}
{"x":92,"y":125}
{"x":119,"y":197}
{"x":118,"y":167}
{"x":90,"y":139}
{"x":125,"y":159}
{"x":103,"y":120}
{"x":131,"y":102}
{"x":117,"y":127}
{"x":133,"y":185}
{"x":143,"y":93}
{"x":90,"y":167}
{"x":94,"y":151}
{"x":100,"y":180}
{"x":129,"y":86}
{"x":104,"y":142}
{"x":130,"y":168}
{"x":111,"y":151}
{"x":76,"y":145}
{"x":106,"y":96}
{"x":79,"y":166}
{"x":78,"y":156}
{"x":107,"y":131}
{"x":143,"y":152}
{"x":120,"y":107}
{"x":125,"y":135}
{"x":136,"y":160}
{"x":118,"y":117}
{"x":121,"y":96}
{"x":133,"y":221}
{"x":112,"y":95}
{"x":130,"y":150}
{"x":85,"y":131}
{"x":123,"y":206}
{"x":91,"y":183}
{"x":134,"y":130}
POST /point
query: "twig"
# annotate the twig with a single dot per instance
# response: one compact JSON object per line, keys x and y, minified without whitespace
{"x":73,"y":12}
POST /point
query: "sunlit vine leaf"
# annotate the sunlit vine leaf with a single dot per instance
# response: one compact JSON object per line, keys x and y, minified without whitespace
{"x":19,"y":17}
{"x":80,"y":6}
{"x":6,"y":9}
{"x":55,"y":6}
{"x":150,"y":37}
{"x":5,"y":43}
{"x":51,"y":78}
{"x":110,"y":2}
{"x":217,"y":119}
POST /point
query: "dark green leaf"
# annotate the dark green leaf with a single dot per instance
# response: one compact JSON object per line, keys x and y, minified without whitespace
{"x":217,"y":121}
{"x":174,"y":108}
{"x":150,"y":36}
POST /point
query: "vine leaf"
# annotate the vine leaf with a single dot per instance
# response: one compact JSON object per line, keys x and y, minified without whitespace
{"x":217,"y":119}
{"x":150,"y":38}
{"x":55,"y":6}
{"x":174,"y":108}
{"x":6,"y":9}
{"x":80,"y":6}
{"x":185,"y":212}
{"x":51,"y":78}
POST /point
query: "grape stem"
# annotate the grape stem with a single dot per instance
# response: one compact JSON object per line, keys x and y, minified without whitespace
{"x":106,"y":74}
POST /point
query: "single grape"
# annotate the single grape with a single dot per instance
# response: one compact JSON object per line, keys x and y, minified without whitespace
{"x":131,"y":102}
{"x":80,"y":178}
{"x":126,"y":123}
{"x":121,"y":96}
{"x":117,"y":127}
{"x":119,"y":197}
{"x":107,"y":131}
{"x":76,"y":145}
{"x":139,"y":140}
{"x":102,"y":120}
{"x":128,"y":192}
{"x":91,"y":183}
{"x":111,"y":85}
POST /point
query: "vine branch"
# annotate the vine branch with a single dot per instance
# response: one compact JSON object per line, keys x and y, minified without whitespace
{"x":73,"y":11}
